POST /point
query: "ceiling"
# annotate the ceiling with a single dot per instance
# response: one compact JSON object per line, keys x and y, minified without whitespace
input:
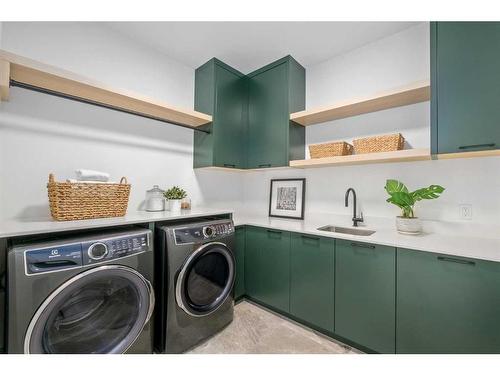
{"x":247,"y":46}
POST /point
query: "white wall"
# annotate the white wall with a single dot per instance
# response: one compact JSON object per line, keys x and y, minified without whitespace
{"x":40,"y":134}
{"x":388,"y":63}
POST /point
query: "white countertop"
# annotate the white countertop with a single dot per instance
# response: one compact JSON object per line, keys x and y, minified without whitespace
{"x":438,"y":237}
{"x":26,"y":226}
{"x":450,"y":238}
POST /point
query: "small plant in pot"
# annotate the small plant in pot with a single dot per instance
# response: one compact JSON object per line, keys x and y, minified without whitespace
{"x":407,"y":223}
{"x":174,"y":195}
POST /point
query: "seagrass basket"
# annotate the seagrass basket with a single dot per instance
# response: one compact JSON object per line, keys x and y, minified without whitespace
{"x":324,"y":150}
{"x":379,"y":143}
{"x":78,"y":201}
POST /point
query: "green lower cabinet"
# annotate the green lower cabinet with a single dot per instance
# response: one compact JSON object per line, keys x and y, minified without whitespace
{"x":312,"y":280}
{"x":447,"y":304}
{"x":267,"y":267}
{"x":365,"y":294}
{"x":239,"y":284}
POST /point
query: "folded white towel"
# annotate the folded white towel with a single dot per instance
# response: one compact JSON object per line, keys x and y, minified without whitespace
{"x":74,"y":180}
{"x":89,"y":175}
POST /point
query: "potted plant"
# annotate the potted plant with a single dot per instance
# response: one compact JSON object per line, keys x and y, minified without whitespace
{"x":174,"y":196}
{"x":407,"y":223}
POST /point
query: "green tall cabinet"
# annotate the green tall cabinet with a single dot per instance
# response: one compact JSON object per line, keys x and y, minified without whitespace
{"x":267,"y":267}
{"x":222,"y":92}
{"x":365,"y":289}
{"x":275,"y":91}
{"x":447,"y":304}
{"x":465,"y":86}
{"x":312,"y":280}
{"x":239,"y":284}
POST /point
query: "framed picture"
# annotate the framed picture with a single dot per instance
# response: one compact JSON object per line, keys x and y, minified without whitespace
{"x":287,"y":197}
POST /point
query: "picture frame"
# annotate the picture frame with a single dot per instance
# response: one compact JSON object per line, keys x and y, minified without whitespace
{"x":287,"y":198}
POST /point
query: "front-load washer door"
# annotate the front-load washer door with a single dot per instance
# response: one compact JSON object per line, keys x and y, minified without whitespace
{"x":205,"y":280}
{"x":102,"y":310}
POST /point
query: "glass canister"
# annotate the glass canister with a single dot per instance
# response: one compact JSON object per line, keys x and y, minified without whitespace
{"x":155,"y":201}
{"x":186,"y":203}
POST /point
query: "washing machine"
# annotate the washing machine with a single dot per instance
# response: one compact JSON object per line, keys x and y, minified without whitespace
{"x":82,"y":294}
{"x":194,"y":283}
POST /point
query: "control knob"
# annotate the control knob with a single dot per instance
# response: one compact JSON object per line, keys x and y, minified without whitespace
{"x":98,"y":251}
{"x":208,"y":232}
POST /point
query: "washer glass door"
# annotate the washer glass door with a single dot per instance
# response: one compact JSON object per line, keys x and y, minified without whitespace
{"x":206,"y":279}
{"x":102,"y":310}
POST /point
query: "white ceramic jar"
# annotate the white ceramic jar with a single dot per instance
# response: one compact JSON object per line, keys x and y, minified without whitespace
{"x":406,"y":225}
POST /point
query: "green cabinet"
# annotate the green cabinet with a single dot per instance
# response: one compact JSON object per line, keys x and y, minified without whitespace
{"x":239,"y":284}
{"x":465,"y":79}
{"x":312,"y":280}
{"x":447,"y":304}
{"x":222,"y":92}
{"x":274,"y":92}
{"x":365,"y":289}
{"x":267,"y":267}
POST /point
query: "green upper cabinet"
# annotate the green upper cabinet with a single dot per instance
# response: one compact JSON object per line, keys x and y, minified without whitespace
{"x":267,"y":267}
{"x":312,"y":280}
{"x":465,"y":79}
{"x":365,"y":290}
{"x":275,"y":91}
{"x":239,"y":284}
{"x":221,"y":91}
{"x":447,"y":304}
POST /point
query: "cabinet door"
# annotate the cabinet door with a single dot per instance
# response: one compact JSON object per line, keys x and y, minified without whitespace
{"x":268,"y":118}
{"x":239,"y":285}
{"x":365,"y":294}
{"x":267,"y":267}
{"x":447,"y":304}
{"x":255,"y":241}
{"x":230,"y":119}
{"x":467,"y":82}
{"x":312,"y":279}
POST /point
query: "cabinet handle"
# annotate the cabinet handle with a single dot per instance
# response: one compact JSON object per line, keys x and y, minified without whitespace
{"x":229,"y":165}
{"x":274,"y":231}
{"x":456,"y":260}
{"x":365,"y":246}
{"x":309,"y":237}
{"x":264,"y":165}
{"x":485,"y":145}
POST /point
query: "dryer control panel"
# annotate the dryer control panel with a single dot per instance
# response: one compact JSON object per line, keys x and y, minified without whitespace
{"x":56,"y":256}
{"x":203,"y":232}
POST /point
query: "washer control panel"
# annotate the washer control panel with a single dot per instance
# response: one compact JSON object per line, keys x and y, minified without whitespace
{"x":113,"y":248}
{"x":56,"y":256}
{"x":200,"y":233}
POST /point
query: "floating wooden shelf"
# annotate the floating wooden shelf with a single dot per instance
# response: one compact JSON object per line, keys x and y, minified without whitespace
{"x":379,"y":157}
{"x":416,"y":93}
{"x":36,"y":76}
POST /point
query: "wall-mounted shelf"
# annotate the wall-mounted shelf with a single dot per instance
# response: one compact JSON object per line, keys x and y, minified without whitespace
{"x":379,"y":157}
{"x":415,"y":93}
{"x":30,"y":74}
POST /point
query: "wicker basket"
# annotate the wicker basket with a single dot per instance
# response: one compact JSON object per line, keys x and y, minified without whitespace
{"x":77,"y":201}
{"x":324,"y":150}
{"x":380,"y":143}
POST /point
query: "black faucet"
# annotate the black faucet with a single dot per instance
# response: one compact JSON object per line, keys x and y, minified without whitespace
{"x":355,"y":219}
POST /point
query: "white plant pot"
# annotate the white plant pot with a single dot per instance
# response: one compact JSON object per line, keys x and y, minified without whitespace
{"x":406,"y":225}
{"x":174,"y":206}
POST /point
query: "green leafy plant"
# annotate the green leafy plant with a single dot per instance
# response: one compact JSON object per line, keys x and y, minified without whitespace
{"x":404,"y":199}
{"x":175,"y":192}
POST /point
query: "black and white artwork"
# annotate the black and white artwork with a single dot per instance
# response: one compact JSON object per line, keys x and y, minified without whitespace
{"x":287,"y":198}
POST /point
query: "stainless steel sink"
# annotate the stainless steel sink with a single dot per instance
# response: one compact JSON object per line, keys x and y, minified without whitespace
{"x":353,"y":231}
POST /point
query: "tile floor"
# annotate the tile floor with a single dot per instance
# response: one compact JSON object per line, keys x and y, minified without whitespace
{"x":255,"y":330}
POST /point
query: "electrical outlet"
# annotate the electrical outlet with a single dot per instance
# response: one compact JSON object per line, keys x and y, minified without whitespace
{"x":465,"y":211}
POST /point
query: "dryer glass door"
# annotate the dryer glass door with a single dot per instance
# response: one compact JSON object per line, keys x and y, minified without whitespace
{"x":206,"y":279}
{"x":102,"y":310}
